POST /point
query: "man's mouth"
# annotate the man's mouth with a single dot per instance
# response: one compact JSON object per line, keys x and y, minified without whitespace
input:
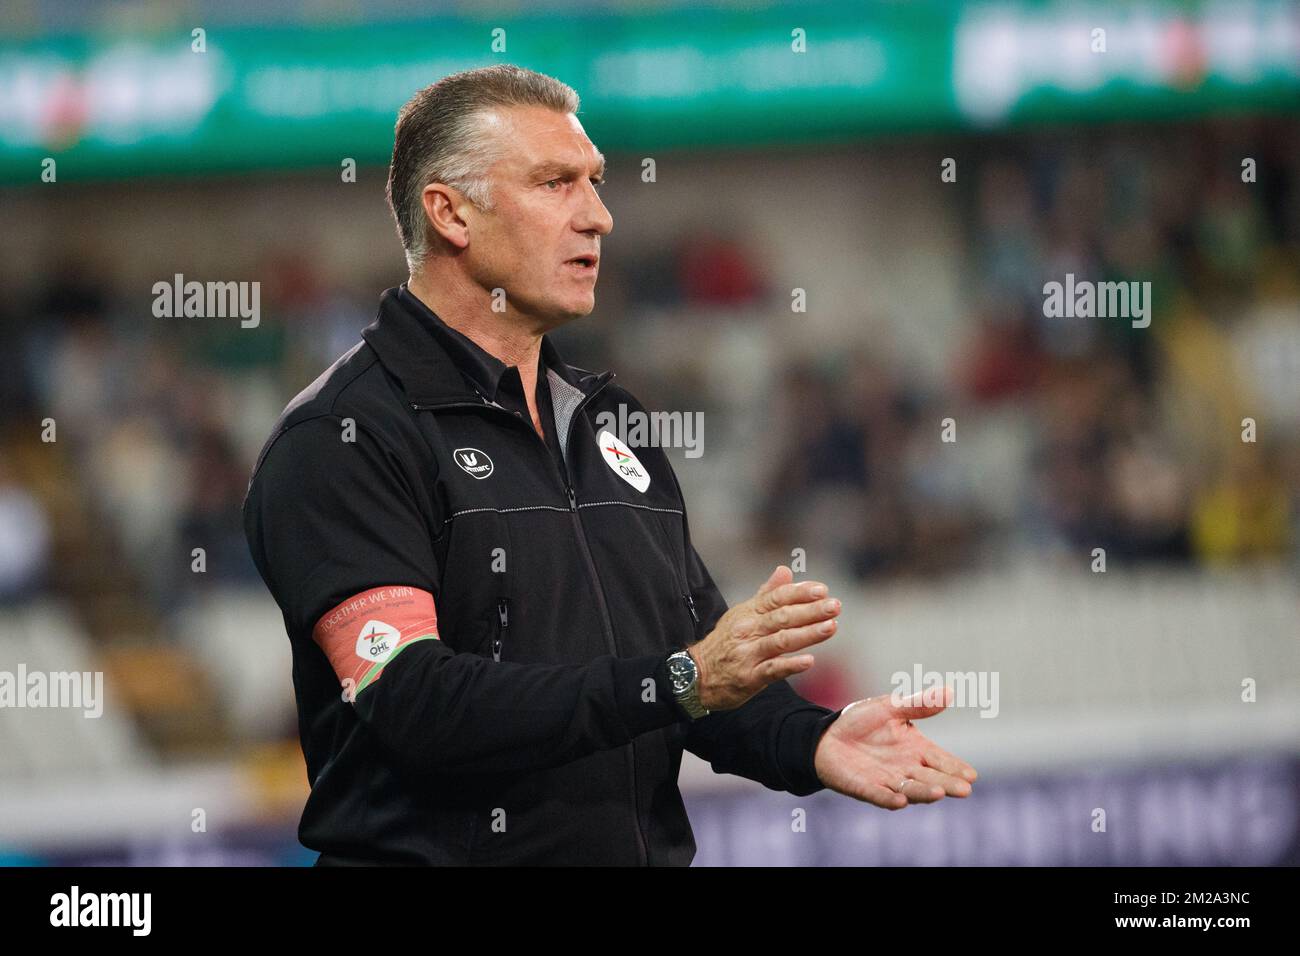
{"x":586,"y":262}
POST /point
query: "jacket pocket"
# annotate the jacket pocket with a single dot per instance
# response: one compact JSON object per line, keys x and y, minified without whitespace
{"x":489,"y":633}
{"x":677,"y":561}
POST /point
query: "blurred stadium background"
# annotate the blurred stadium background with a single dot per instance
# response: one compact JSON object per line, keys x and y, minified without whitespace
{"x":774,"y":170}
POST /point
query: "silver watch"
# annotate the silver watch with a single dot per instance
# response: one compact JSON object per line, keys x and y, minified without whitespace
{"x":683,"y":675}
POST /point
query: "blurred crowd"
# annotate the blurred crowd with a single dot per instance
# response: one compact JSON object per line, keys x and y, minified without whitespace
{"x":1178,"y":442}
{"x":152,"y":430}
{"x":1044,"y":436}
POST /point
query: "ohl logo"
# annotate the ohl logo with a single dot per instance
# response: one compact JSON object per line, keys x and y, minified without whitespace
{"x":624,"y":464}
{"x":377,"y":640}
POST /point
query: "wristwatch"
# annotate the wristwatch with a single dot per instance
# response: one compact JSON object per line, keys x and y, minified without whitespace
{"x":683,"y":678}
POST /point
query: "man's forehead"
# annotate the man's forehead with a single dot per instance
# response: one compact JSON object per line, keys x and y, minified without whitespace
{"x":545,"y":139}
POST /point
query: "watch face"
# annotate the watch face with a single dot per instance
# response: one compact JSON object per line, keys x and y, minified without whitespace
{"x":682,"y":672}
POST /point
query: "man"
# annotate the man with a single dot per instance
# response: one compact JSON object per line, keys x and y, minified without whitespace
{"x":502,"y":635}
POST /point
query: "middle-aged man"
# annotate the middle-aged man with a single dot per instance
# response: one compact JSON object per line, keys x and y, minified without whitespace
{"x":502,"y":635}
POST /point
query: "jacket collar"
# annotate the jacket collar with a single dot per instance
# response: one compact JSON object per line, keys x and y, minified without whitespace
{"x":438,"y":365}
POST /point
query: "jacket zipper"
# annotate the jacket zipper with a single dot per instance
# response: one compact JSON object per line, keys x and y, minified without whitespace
{"x":503,"y":610}
{"x":608,"y":622}
{"x":680,"y":578}
{"x":585,"y":548}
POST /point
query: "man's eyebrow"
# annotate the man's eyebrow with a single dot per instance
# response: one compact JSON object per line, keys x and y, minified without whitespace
{"x":555,"y":167}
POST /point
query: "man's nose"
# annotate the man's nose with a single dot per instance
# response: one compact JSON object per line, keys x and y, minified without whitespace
{"x":594,"y":217}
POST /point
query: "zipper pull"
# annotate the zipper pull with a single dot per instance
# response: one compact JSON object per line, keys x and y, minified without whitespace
{"x":573,"y":499}
{"x":690,"y":603}
{"x":502,"y":613}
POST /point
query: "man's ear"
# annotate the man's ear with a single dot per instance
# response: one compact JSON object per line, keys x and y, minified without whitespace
{"x":442,"y":204}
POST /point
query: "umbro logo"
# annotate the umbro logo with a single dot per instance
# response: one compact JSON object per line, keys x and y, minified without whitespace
{"x":473,"y":462}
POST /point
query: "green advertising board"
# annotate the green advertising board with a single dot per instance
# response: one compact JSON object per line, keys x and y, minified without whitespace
{"x":188,"y":99}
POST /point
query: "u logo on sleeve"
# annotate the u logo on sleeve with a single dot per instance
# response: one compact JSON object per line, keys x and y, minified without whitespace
{"x":624,"y":464}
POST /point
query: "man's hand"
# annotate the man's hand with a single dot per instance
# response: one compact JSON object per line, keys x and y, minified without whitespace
{"x":872,"y":752}
{"x":742,"y":654}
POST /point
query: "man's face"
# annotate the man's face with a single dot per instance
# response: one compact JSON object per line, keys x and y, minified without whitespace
{"x":546,"y":212}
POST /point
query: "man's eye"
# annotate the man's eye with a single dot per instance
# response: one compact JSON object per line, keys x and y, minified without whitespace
{"x":550,"y":181}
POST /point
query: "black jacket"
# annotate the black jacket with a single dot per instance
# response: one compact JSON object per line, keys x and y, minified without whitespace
{"x":526,"y":719}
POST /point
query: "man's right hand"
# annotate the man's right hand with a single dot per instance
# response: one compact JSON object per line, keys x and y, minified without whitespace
{"x":743,"y":653}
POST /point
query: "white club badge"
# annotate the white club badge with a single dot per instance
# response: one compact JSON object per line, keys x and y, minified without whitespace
{"x":624,"y":464}
{"x":377,"y":641}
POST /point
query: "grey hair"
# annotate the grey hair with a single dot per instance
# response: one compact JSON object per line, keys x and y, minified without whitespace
{"x":448,"y":133}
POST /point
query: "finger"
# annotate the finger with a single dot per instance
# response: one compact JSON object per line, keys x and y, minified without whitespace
{"x":797,"y":615}
{"x":782,"y":575}
{"x":778,"y":668}
{"x":800,"y":593}
{"x":794,"y":639}
{"x":952,"y":786}
{"x":883,"y":797}
{"x":940,"y":759}
{"x":918,"y":791}
{"x":924,"y":703}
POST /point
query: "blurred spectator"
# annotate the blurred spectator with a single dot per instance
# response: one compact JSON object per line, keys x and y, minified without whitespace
{"x":212,"y":517}
{"x":24,"y":540}
{"x":1245,"y":514}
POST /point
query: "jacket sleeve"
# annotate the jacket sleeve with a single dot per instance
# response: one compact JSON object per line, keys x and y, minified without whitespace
{"x":330,"y":520}
{"x":773,"y":736}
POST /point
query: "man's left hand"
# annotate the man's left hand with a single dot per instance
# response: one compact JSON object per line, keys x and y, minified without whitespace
{"x":873,"y":752}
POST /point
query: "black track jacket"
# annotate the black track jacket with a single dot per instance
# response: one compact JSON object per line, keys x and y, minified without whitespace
{"x":479,"y":616}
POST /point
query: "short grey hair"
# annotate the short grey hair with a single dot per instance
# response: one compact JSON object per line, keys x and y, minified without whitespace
{"x":444,"y":135}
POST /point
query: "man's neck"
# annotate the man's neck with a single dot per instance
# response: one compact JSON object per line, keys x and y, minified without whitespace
{"x":502,"y":335}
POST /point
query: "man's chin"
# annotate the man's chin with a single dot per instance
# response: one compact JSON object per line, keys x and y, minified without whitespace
{"x":557,"y":311}
{"x":574,"y":310}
